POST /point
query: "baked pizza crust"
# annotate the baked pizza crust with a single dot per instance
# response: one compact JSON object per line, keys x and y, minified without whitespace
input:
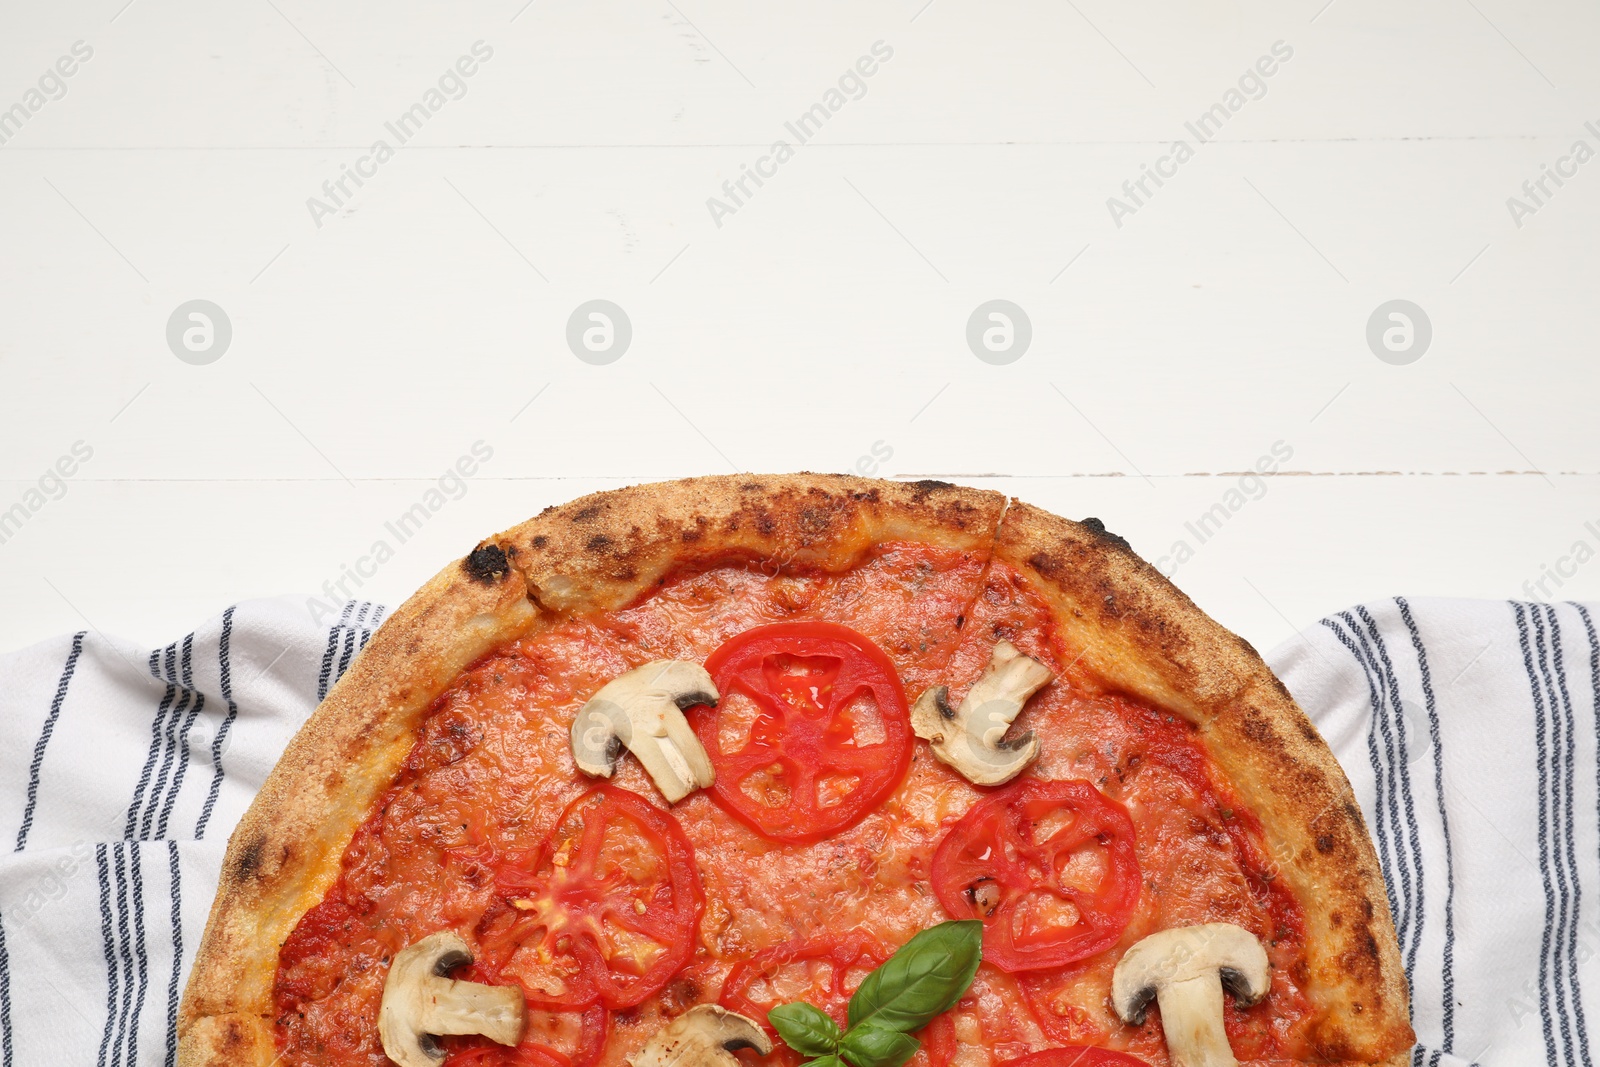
{"x":1138,"y":632}
{"x":1135,"y":630}
{"x":285,"y":852}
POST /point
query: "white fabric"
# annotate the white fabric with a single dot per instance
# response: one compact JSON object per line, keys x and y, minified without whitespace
{"x":122,"y":772}
{"x":1468,"y":729}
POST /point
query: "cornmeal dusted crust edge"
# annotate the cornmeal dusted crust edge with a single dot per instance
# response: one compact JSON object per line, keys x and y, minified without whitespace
{"x":608,"y":549}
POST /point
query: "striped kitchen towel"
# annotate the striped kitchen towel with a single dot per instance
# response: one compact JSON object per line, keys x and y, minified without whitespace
{"x":1467,"y":727}
{"x":1469,"y":730}
{"x":122,"y":772}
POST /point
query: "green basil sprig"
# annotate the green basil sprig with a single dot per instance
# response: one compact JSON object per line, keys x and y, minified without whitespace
{"x":922,"y":980}
{"x":805,"y":1028}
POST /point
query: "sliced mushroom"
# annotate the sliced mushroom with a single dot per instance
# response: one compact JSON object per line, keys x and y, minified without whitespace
{"x":971,"y":737}
{"x":642,"y":710}
{"x":703,"y":1036}
{"x":419,"y":1003}
{"x":1185,"y":970}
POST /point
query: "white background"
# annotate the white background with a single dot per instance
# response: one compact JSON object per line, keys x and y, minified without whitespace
{"x":827,"y":314}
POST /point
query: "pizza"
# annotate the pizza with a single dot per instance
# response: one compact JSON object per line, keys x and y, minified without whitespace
{"x":744,"y":763}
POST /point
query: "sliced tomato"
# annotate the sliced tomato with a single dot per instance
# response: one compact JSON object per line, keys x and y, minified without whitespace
{"x":1048,"y":866}
{"x":804,"y":771}
{"x":939,"y":1043}
{"x":1076,"y":1056}
{"x":548,"y":1043}
{"x":604,"y":911}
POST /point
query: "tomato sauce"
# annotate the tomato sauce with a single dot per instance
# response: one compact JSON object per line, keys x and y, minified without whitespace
{"x":492,"y":771}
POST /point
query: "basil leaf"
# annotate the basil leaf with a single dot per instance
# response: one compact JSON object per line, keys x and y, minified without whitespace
{"x":825,"y":1061}
{"x":871,"y":1045}
{"x":806,"y":1029}
{"x":923,"y":979}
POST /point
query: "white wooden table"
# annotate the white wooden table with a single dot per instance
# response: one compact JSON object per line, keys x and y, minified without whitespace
{"x":818,"y":321}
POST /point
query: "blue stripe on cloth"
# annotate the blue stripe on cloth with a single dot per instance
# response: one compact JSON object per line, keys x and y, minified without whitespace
{"x":34,"y":768}
{"x":373,"y":623}
{"x":1386,"y":807}
{"x":1560,"y":758}
{"x":325,"y":678}
{"x":357,"y":621}
{"x":1594,"y":690}
{"x":113,"y":975}
{"x":175,"y":882}
{"x":124,"y":951}
{"x":156,"y":722}
{"x":1569,"y":831}
{"x":6,"y":1050}
{"x":187,"y":681}
{"x":1447,"y":994}
{"x":1403,"y":773}
{"x":1397,"y":749}
{"x":168,"y":740}
{"x":1541,"y":761}
{"x":1380,"y":822}
{"x":356,"y":639}
{"x":135,"y":862}
{"x":220,"y":742}
{"x":1381,"y":742}
{"x":187,"y":706}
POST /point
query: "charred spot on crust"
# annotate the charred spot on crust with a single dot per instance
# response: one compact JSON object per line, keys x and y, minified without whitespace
{"x":233,"y":1038}
{"x":585,"y":514}
{"x":1257,"y":729}
{"x":539,"y":541}
{"x":1045,"y":564}
{"x":813,"y":521}
{"x":1098,"y":528}
{"x":598,"y":543}
{"x":766,"y":524}
{"x":958,"y":514}
{"x":869,"y":495}
{"x":248,"y":865}
{"x":688,"y":537}
{"x":928,"y":485}
{"x":1325,"y":843}
{"x":486,"y":563}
